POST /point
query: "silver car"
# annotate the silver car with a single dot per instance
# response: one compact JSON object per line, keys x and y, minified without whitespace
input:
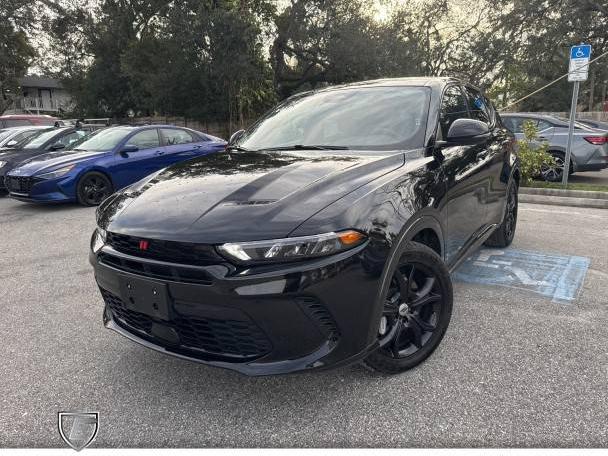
{"x":12,"y":136}
{"x":589,"y":145}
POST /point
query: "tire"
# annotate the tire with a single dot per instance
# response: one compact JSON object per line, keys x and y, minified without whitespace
{"x":555,"y":173}
{"x":415,"y":326}
{"x":93,"y":188}
{"x":504,"y":234}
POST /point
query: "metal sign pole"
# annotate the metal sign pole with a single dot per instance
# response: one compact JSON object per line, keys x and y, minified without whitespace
{"x":570,"y":132}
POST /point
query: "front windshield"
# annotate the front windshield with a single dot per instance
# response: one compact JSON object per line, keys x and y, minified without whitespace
{"x":40,"y":139}
{"x":104,"y":139}
{"x":373,"y":118}
{"x":76,"y":144}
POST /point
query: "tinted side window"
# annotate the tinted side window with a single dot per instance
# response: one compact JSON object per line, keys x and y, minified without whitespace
{"x":145,"y":139}
{"x":515,"y":124}
{"x":67,"y":140}
{"x":16,"y":122}
{"x":479,"y":107}
{"x":173,"y":136}
{"x":453,"y":106}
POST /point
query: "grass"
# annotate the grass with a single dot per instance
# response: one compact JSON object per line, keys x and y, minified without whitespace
{"x":556,"y":185}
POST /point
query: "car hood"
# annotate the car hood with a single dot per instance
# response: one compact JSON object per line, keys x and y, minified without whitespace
{"x":241,"y":195}
{"x":13,"y":157}
{"x":52,"y":160}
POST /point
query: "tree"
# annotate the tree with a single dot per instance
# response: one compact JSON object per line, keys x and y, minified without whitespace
{"x":196,"y":58}
{"x":539,"y":36}
{"x":322,"y":42}
{"x":16,"y":52}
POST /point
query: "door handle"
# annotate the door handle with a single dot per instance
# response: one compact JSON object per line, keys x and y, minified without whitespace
{"x":159,"y":152}
{"x":542,"y":138}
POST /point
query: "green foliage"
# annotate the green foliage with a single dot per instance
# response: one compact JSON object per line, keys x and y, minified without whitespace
{"x":532,"y":154}
{"x":201,"y":59}
{"x":537,"y":38}
{"x":232,"y":59}
{"x":16,"y":51}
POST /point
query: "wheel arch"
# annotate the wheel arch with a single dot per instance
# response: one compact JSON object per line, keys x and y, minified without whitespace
{"x":428,"y":236}
{"x":95,"y":169}
{"x":423,"y":224}
{"x":426,"y":224}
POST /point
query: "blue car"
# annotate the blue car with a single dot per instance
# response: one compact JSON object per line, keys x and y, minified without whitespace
{"x":105,"y":161}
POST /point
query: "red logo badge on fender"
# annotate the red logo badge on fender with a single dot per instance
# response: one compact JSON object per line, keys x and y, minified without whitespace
{"x":143,"y":244}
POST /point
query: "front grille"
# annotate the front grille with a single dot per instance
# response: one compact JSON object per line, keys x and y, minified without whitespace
{"x":319,"y":314}
{"x":19,"y":184}
{"x":157,"y":271}
{"x":135,"y":320}
{"x":169,"y":251}
{"x":221,"y":338}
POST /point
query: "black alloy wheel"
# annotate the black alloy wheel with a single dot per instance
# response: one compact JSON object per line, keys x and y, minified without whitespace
{"x":416,"y":313}
{"x":510,"y":220}
{"x":93,"y":188}
{"x":505,"y":232}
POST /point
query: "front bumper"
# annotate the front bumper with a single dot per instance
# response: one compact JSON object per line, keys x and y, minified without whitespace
{"x":33,"y":189}
{"x":317,"y":314}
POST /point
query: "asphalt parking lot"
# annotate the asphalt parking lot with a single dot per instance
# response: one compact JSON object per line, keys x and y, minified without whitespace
{"x":593,"y":178}
{"x":516,"y":368}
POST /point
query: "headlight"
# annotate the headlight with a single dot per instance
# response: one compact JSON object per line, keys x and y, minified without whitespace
{"x":2,"y":163}
{"x":57,"y":173}
{"x":292,"y":249}
{"x":98,"y":240}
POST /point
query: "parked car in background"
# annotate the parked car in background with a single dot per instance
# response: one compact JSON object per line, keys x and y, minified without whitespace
{"x":112,"y":158}
{"x":11,"y":138}
{"x":21,"y":120}
{"x":324,"y":235}
{"x":48,"y":140}
{"x":597,"y":124}
{"x":589,"y":146}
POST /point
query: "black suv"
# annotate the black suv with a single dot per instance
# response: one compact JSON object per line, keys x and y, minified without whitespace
{"x":324,"y":235}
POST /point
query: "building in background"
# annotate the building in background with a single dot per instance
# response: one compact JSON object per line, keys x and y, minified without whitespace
{"x":40,"y":95}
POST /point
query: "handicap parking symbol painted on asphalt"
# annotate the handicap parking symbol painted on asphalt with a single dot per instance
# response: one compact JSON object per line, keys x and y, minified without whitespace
{"x":556,"y":276}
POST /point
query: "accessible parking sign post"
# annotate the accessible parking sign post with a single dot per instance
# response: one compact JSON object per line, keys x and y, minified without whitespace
{"x":578,"y":71}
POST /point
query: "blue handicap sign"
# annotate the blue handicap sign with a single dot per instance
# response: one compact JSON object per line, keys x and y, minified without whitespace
{"x":558,"y":277}
{"x":582,"y":51}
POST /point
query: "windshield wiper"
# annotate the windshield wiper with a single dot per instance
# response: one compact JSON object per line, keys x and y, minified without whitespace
{"x":307,"y":147}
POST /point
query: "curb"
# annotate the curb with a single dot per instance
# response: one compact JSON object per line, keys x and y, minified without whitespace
{"x":552,"y":200}
{"x":563,"y":193}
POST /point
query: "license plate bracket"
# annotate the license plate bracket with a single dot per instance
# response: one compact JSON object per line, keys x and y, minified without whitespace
{"x":145,"y":296}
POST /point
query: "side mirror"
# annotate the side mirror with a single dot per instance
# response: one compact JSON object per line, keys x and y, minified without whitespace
{"x":57,"y":146}
{"x":11,"y":143}
{"x":128,"y":148}
{"x":467,"y":131}
{"x":235,"y":136}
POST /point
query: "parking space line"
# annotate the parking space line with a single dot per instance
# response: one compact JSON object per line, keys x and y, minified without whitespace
{"x":559,"y":277}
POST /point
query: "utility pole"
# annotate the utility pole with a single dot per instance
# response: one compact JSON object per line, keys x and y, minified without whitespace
{"x":591,"y":90}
